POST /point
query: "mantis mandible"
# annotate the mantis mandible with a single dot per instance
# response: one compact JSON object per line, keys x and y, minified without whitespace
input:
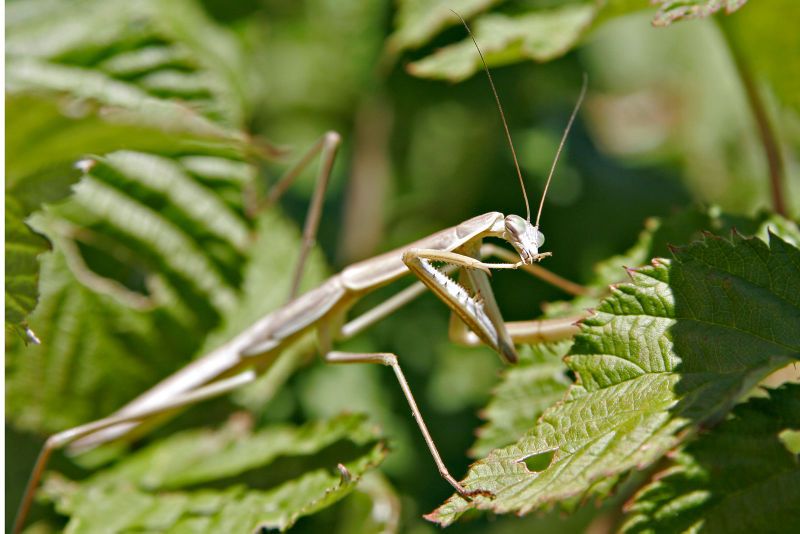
{"x":324,"y":310}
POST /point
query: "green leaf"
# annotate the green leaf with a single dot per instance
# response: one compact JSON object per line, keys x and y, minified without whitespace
{"x":418,"y":21}
{"x":93,"y":76}
{"x":144,"y":491}
{"x":79,"y":76}
{"x":541,"y":36}
{"x":537,"y":382}
{"x":738,"y":478}
{"x":22,"y":268}
{"x":670,"y":11}
{"x":149,"y":258}
{"x":157,"y":213}
{"x":669,"y":352}
{"x":139,"y":248}
{"x":105,"y":53}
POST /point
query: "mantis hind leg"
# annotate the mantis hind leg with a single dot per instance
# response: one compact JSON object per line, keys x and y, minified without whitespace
{"x":327,"y":147}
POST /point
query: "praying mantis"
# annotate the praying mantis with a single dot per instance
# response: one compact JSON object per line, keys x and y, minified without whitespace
{"x":324,"y":310}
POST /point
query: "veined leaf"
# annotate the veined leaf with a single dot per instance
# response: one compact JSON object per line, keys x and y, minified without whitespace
{"x":65,"y":49}
{"x":93,"y":76}
{"x":154,"y":212}
{"x":148,"y":260}
{"x":539,"y":380}
{"x":540,"y":36}
{"x":96,"y":353}
{"x":141,"y":247}
{"x":669,"y":352}
{"x":670,"y":11}
{"x":79,"y":76}
{"x":143,"y":491}
{"x":738,"y":478}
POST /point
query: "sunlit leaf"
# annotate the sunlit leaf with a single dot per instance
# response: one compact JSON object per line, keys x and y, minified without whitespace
{"x":539,"y":380}
{"x":145,"y":490}
{"x":86,"y":77}
{"x":540,"y":36}
{"x":670,"y":11}
{"x":738,"y":478}
{"x":417,"y":21}
{"x":139,"y":248}
{"x":106,"y":53}
{"x":669,"y":352}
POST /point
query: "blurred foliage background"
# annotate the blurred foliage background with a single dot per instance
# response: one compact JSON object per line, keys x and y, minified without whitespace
{"x":669,"y":124}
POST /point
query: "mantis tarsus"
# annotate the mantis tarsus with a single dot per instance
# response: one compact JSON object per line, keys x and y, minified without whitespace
{"x":324,"y":310}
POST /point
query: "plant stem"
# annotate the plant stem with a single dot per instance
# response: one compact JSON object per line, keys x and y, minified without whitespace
{"x":765,"y":130}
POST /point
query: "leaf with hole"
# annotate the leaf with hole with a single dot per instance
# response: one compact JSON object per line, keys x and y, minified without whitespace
{"x":668,"y":353}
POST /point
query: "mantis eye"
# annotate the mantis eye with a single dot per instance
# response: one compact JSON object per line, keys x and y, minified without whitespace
{"x":524,"y":237}
{"x":516,"y":226}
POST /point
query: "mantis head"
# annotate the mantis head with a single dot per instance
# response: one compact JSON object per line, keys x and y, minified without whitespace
{"x":524,"y":237}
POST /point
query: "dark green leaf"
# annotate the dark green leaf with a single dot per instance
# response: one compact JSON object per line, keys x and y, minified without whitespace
{"x":23,"y":247}
{"x":737,"y":478}
{"x":669,"y":352}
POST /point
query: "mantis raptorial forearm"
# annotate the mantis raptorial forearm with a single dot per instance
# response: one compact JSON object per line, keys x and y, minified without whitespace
{"x":323,"y":310}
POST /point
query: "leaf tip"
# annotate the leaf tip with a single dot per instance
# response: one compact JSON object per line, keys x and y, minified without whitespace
{"x":433,"y":517}
{"x":346,"y":476}
{"x":630,"y":271}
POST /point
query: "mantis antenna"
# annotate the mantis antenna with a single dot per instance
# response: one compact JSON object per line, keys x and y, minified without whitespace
{"x":508,"y":133}
{"x":561,"y":145}
{"x":502,"y":116}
